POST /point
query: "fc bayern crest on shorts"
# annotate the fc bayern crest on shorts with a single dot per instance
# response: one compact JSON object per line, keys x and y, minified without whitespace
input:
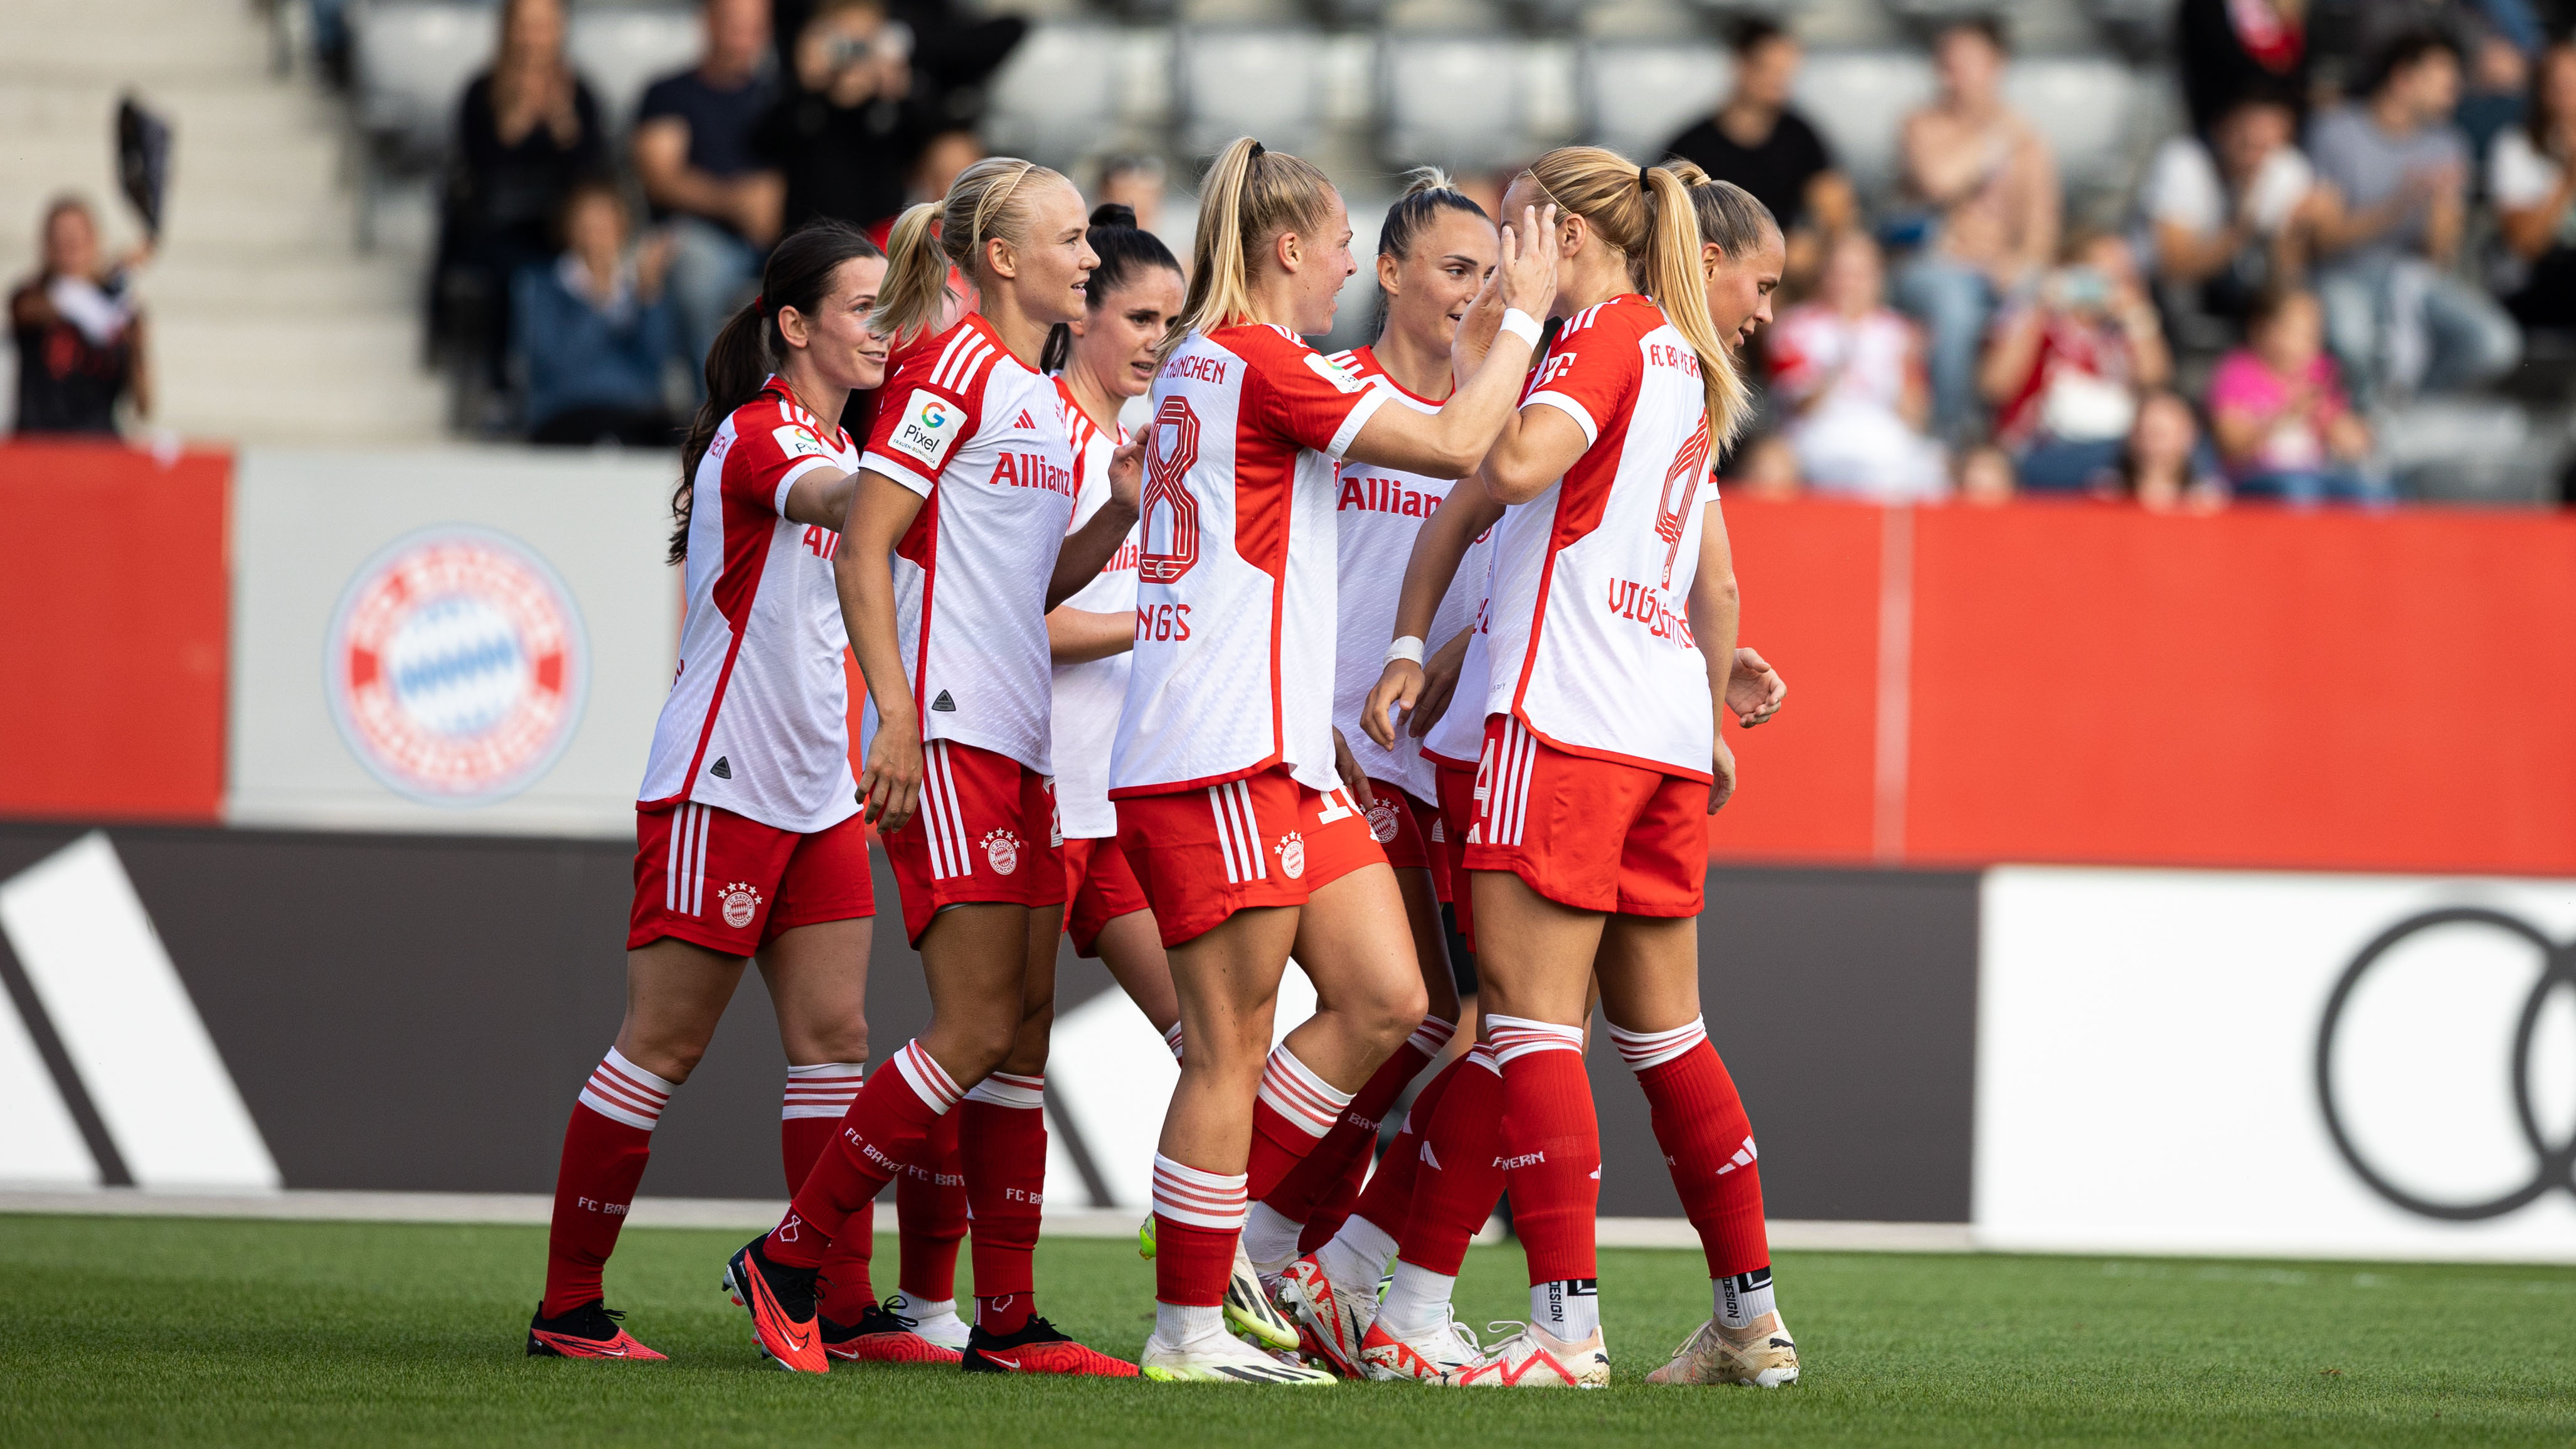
{"x":1382,"y":820}
{"x":456,"y":666}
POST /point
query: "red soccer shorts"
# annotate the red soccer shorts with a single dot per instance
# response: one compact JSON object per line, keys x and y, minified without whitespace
{"x":1399,"y":832}
{"x":1457,"y":814}
{"x":1596,"y":835}
{"x":985,"y":834}
{"x":729,"y":883}
{"x":1202,"y":855}
{"x":1099,"y":887}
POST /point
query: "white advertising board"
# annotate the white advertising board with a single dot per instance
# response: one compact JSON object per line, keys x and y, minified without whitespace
{"x":2276,"y":1064}
{"x":461,"y":639}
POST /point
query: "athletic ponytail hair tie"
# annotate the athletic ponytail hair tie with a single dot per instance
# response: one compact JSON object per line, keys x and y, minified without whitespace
{"x":1257,"y":151}
{"x":760,"y":304}
{"x":1641,"y":179}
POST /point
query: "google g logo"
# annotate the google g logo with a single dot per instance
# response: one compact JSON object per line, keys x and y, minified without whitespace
{"x":933,"y":415}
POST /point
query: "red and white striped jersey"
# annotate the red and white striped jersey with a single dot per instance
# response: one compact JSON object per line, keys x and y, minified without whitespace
{"x":757,"y":721}
{"x":1087,"y":695}
{"x":1235,"y":604}
{"x":982,"y":438}
{"x":1377,"y":512}
{"x":1589,"y":622}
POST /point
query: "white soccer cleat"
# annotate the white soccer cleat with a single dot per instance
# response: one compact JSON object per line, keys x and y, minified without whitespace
{"x":1426,"y":1358}
{"x":1537,"y":1359}
{"x":1221,"y":1358}
{"x":1760,"y":1357}
{"x":944,"y":1327}
{"x":1251,"y":1309}
{"x":1338,"y":1321}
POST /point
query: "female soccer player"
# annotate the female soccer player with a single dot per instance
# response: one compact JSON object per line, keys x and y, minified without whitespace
{"x":957,"y":548}
{"x":1231,"y":808}
{"x":745,"y":838}
{"x":1589,"y":852}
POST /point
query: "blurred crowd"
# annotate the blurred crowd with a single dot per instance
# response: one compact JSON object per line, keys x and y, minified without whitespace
{"x":2306,"y":257}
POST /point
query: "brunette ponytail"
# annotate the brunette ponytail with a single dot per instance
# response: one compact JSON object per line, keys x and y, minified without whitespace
{"x":749,"y":348}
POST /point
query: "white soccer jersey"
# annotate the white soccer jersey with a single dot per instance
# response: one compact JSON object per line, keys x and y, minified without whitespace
{"x":982,"y":439}
{"x":1235,"y":594}
{"x":1087,"y":695}
{"x":1376,"y":513}
{"x":1589,"y":634}
{"x":758,"y":717}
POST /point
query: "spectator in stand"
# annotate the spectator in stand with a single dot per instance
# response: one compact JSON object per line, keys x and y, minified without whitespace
{"x":2166,"y":466}
{"x":1991,"y":187}
{"x":1135,"y":182}
{"x":78,"y":330}
{"x":1757,"y":139}
{"x":1848,"y":376}
{"x":851,"y":126}
{"x":2531,"y":176}
{"x":593,"y":329}
{"x":526,"y":132}
{"x":714,"y":199}
{"x":2069,"y":365}
{"x":943,"y":156}
{"x":2228,"y":49}
{"x":1985,"y":477}
{"x":2227,"y":216}
{"x":2277,"y":406}
{"x":2388,"y":227}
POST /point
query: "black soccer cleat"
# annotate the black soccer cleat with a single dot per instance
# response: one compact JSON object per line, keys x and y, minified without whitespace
{"x":1038,"y":1348}
{"x":589,"y":1331}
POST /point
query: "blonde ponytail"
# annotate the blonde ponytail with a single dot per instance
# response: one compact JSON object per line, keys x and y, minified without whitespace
{"x":1251,"y":195}
{"x":987,"y":200}
{"x":1646,"y":213}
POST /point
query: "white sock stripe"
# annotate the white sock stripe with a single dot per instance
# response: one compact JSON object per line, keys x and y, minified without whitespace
{"x":624,"y":1092}
{"x":1202,"y":1199}
{"x":827,"y":1070}
{"x":1481,"y":1055}
{"x":824,"y":1089}
{"x":1296,"y":1093}
{"x":658,"y":1088}
{"x":1645,"y":1049}
{"x":1431,"y":1036}
{"x":1515,"y":1037}
{"x":926,"y":1078}
{"x":1002,"y":1089}
{"x":606,"y":1084}
{"x":1172,"y":1039}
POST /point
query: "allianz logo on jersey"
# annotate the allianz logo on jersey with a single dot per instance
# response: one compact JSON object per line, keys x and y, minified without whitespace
{"x":1033,"y":470}
{"x":1384,"y":495}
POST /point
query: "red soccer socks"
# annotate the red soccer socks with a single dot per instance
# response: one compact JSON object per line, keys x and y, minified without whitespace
{"x":885,"y":1127}
{"x":605,"y":1147}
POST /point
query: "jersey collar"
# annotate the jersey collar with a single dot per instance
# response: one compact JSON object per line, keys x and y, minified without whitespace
{"x":777,"y":386}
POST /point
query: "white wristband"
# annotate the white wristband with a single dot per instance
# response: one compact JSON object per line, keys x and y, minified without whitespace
{"x":1408,"y":648}
{"x":1521,"y":325}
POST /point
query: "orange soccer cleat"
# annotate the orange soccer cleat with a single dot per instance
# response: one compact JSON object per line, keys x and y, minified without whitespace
{"x":589,"y":1331}
{"x":1037,"y":1348}
{"x":781,"y":1303}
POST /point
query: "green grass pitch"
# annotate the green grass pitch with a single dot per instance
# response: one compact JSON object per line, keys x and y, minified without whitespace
{"x":129,"y":1331}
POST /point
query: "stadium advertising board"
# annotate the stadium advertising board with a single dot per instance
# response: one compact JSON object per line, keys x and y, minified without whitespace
{"x":2290,"y":1065}
{"x":472,"y":642}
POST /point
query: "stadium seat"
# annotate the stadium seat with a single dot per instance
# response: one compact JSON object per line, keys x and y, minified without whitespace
{"x":622,"y":49}
{"x":1638,"y":95}
{"x":1253,"y":81}
{"x":1858,"y":99}
{"x":1457,"y":100}
{"x":1057,"y":98}
{"x":410,"y":60}
{"x":2099,"y":116}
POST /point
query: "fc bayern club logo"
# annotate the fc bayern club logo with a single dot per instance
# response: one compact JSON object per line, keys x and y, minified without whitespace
{"x":456,"y":666}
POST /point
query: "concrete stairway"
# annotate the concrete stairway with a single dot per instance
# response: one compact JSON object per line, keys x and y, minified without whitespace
{"x":268,"y":323}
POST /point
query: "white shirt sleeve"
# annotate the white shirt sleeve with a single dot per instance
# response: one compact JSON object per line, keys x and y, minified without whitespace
{"x":2517,"y":174}
{"x":2182,"y":187}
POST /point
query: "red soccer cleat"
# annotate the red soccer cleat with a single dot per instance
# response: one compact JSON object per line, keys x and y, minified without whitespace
{"x":1039,"y":1349}
{"x":880,"y":1337}
{"x":781,"y":1303}
{"x":589,"y":1331}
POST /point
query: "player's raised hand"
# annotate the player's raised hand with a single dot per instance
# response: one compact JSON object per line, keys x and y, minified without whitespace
{"x":890,"y":786}
{"x":1397,"y":688}
{"x":1755,"y":690}
{"x":1127,"y":473}
{"x":1528,"y":268}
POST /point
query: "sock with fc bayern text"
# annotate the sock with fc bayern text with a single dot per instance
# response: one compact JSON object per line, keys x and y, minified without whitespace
{"x":809,"y":1112}
{"x":1700,"y":1123}
{"x":1460,"y":1172}
{"x":1293,"y":1112}
{"x":1354,"y":1132}
{"x":884,"y":1128}
{"x":1551,"y":1145}
{"x":605,"y":1147}
{"x":1002,"y":1145}
{"x":1196,"y":1217}
{"x":930,"y":1204}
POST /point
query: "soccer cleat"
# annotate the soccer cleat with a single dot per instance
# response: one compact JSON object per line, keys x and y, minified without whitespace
{"x":1340,"y":1321}
{"x":1760,"y":1357}
{"x":1145,"y":1239}
{"x":880,"y":1336}
{"x":1037,"y":1348}
{"x":781,"y":1303}
{"x":1221,"y":1358}
{"x":589,"y":1331}
{"x":1537,"y":1359}
{"x":944,"y":1327}
{"x":1251,"y":1309}
{"x":1426,"y":1359}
